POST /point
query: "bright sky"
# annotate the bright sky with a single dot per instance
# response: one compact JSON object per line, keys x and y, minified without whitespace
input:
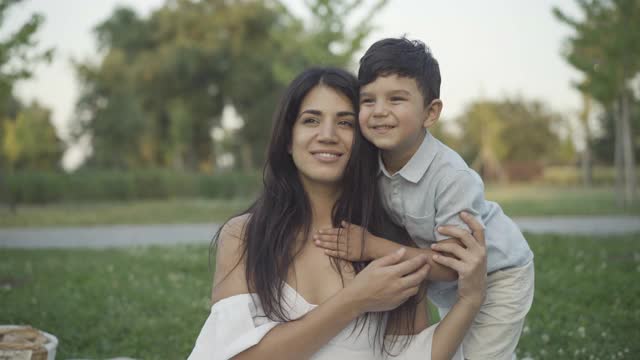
{"x":488,"y":49}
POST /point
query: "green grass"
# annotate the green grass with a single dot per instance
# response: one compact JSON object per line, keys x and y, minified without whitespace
{"x":134,"y":212}
{"x":149,"y":303}
{"x":516,"y":200}
{"x":541,"y":200}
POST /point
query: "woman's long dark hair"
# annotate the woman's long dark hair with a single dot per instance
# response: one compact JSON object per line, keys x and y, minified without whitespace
{"x":282,"y":211}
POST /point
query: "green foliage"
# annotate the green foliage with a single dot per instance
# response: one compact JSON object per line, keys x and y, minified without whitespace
{"x":495,"y":133}
{"x":32,"y":187}
{"x":165,"y":211}
{"x":30,"y":141}
{"x":164,"y":80}
{"x":150,"y":303}
{"x":18,"y":56}
{"x":605,"y":48}
{"x":516,"y":200}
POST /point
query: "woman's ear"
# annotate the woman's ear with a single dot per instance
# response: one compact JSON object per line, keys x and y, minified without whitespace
{"x":432,"y":113}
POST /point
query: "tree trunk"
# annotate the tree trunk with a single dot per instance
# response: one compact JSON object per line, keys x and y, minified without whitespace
{"x":619,"y":164}
{"x":247,"y":156}
{"x":586,"y":160}
{"x":627,"y":150}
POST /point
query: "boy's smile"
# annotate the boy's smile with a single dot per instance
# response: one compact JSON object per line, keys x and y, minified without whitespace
{"x":393,"y":117}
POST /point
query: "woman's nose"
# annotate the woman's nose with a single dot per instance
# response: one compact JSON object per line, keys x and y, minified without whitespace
{"x":327,"y":132}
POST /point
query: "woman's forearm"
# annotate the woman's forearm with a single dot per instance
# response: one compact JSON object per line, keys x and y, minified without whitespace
{"x":451,"y":330}
{"x":300,"y":339}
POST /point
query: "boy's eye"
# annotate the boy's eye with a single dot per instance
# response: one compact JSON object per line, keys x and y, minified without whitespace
{"x":397,"y":99}
{"x":366,"y":101}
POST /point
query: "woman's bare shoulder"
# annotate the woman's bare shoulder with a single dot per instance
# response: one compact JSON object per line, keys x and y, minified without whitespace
{"x":229,"y":278}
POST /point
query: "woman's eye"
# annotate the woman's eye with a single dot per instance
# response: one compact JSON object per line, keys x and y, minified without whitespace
{"x":346,"y":123}
{"x":310,"y":121}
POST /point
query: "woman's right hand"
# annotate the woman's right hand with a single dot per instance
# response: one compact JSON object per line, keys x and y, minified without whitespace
{"x":388,"y":282}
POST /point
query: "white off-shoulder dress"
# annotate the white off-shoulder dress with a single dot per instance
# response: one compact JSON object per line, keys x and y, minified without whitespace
{"x":239,"y":322}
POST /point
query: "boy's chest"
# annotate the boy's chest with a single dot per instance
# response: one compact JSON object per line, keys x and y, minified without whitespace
{"x":411,"y":206}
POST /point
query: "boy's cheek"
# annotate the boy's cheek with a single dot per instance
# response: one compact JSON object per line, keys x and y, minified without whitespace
{"x":362,"y":120}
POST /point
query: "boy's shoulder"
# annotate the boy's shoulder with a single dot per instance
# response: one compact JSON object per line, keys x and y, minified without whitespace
{"x":448,"y":163}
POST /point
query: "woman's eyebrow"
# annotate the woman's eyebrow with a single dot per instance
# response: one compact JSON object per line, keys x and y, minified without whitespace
{"x":311,"y":111}
{"x":345,"y":113}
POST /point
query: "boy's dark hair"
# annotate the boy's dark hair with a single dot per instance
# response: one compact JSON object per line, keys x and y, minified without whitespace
{"x":402,"y":57}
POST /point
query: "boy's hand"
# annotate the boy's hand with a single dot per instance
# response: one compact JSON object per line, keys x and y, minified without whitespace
{"x":346,"y":242}
{"x":470,"y":260}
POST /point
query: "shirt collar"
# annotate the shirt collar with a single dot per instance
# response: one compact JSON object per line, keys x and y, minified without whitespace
{"x":415,"y":169}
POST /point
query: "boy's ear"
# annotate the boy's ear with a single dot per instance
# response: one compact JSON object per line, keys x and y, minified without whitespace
{"x":432,"y":113}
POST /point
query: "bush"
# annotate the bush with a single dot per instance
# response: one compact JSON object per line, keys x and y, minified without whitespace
{"x":50,"y":187}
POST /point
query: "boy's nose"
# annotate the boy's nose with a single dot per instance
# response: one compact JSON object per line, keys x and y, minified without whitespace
{"x":379,"y":109}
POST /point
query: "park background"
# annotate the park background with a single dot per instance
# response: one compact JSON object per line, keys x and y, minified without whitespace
{"x":158,"y":112}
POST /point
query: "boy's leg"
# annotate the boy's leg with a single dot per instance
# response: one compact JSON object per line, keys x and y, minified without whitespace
{"x":497,"y":327}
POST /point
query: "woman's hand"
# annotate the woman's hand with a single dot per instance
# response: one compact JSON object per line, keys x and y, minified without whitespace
{"x":470,"y":260}
{"x":388,"y":282}
{"x":350,"y":242}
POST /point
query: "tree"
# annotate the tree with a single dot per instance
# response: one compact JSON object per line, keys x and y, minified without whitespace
{"x":18,"y":55}
{"x":514,"y":131}
{"x":180,"y":67}
{"x":483,"y":145}
{"x":30,"y":141}
{"x":606,"y":49}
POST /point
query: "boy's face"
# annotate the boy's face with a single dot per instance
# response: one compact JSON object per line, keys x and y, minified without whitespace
{"x":393,"y":115}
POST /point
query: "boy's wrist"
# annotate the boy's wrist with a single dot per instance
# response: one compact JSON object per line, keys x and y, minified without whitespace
{"x":380,"y":247}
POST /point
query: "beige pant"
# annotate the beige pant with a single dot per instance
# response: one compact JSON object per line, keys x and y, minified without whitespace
{"x":496,"y":329}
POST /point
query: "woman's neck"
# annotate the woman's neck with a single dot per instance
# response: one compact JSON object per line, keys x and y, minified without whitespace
{"x":321,"y":199}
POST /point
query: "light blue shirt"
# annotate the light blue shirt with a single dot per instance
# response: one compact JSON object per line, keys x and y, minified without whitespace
{"x":431,"y":190}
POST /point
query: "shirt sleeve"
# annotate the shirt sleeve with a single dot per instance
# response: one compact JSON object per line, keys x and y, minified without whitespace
{"x":462,"y":190}
{"x":234,"y":325}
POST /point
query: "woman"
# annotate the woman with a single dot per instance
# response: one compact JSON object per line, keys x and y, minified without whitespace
{"x":270,"y":276}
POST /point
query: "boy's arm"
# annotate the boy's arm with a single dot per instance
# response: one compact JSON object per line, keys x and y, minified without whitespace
{"x":381,"y":247}
{"x":461,"y":190}
{"x":353,"y":243}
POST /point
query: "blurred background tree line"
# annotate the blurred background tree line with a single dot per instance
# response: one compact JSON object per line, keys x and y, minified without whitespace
{"x":153,"y":103}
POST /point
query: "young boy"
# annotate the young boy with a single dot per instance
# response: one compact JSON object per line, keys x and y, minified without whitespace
{"x":425,"y":185}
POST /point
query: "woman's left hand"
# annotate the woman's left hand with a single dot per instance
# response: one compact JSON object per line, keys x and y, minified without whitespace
{"x":469,"y":261}
{"x":350,"y":242}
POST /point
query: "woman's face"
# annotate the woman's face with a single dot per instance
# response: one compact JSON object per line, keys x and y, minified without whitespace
{"x":322,"y":136}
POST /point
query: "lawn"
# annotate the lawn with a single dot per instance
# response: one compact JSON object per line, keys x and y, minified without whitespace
{"x":517,"y":200}
{"x":128,"y":212}
{"x":149,"y":303}
{"x":544,"y":200}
